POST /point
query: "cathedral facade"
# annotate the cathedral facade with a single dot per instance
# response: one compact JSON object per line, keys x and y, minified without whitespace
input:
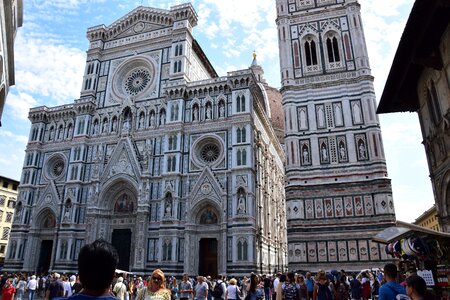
{"x":338,"y":195}
{"x":176,"y":167}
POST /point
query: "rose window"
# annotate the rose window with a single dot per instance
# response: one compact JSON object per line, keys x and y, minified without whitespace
{"x":55,"y":166}
{"x":137,"y":81}
{"x":208,"y":150}
{"x":58,"y":168}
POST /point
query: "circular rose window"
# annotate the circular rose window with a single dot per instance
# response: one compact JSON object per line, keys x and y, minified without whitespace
{"x":209,"y":153}
{"x":137,"y":81}
{"x":133,"y":77}
{"x":55,"y":166}
{"x":208,"y":150}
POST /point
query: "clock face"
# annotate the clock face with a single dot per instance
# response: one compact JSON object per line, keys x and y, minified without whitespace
{"x":206,"y":188}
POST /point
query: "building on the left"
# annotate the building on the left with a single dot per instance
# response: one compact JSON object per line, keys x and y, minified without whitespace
{"x":8,"y":198}
{"x":177,"y":167}
{"x":11,"y":17}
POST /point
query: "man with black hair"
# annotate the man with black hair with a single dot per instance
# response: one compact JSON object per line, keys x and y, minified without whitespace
{"x":391,"y":288}
{"x":97,"y":263}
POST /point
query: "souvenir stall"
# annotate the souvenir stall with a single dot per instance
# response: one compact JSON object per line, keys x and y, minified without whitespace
{"x":420,"y":250}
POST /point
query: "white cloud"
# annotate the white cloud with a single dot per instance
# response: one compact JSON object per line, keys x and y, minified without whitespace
{"x":11,"y":136}
{"x":49,"y":70}
{"x":20,"y":104}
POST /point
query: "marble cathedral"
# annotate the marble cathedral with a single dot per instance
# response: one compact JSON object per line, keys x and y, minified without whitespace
{"x":177,"y":167}
{"x":338,"y":194}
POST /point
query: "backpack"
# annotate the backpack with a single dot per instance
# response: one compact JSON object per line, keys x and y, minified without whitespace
{"x":290,"y":291}
{"x":217,"y":292}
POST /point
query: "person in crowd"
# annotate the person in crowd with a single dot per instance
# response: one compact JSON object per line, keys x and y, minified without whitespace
{"x":267,"y":285}
{"x":186,"y":290}
{"x":97,"y":263}
{"x":355,"y":288}
{"x":366,"y":289}
{"x":321,"y":288}
{"x":233,"y":291}
{"x":303,"y":287}
{"x":280,"y":287}
{"x":174,"y":289}
{"x":20,"y":287}
{"x":31,"y":287}
{"x":67,"y":287}
{"x":391,"y":288}
{"x":55,"y":288}
{"x":120,"y":289}
{"x":310,"y":284}
{"x":8,"y":289}
{"x":375,"y":287}
{"x":341,"y":289}
{"x":219,"y":290}
{"x":290,"y":289}
{"x":155,"y":289}
{"x":416,"y":288}
{"x":201,"y":289}
{"x":275,"y":283}
{"x":256,"y":290}
{"x":75,"y":284}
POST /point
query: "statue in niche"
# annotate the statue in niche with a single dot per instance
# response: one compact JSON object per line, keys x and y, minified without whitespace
{"x":152,"y":119}
{"x":342,"y":153}
{"x":114,"y":124}
{"x":67,"y":207}
{"x":241,"y":204}
{"x":305,"y":155}
{"x":221,"y":110}
{"x":362,"y":150}
{"x":168,"y":208}
{"x":208,"y":112}
{"x":126,"y":123}
{"x":324,"y":153}
{"x":105,"y":126}
{"x":195,"y":114}
{"x":162,"y":119}
{"x":95,"y":127}
{"x":141,"y":121}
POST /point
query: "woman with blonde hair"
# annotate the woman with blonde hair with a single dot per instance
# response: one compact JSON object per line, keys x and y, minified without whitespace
{"x":321,"y":288}
{"x":155,"y":289}
{"x":233,"y":292}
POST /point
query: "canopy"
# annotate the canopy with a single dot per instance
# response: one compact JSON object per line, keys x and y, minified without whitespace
{"x":404,"y":229}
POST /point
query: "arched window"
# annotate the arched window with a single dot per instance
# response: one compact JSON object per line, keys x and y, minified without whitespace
{"x":242,"y":250}
{"x":333,"y":49}
{"x":241,"y":159}
{"x":240,"y":103}
{"x":179,"y":66}
{"x":310,"y":53}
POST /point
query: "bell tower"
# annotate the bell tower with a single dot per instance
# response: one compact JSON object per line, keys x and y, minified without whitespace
{"x":338,"y":195}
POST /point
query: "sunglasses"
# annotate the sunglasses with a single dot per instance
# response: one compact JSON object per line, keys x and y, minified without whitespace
{"x":156,"y":278}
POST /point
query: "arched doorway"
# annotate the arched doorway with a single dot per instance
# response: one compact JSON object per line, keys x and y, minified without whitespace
{"x":119,"y":219}
{"x":47,"y":226}
{"x":208,"y":246}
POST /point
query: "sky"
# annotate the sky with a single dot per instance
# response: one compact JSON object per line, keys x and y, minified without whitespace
{"x":50,"y":55}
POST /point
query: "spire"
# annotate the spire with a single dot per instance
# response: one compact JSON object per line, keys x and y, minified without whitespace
{"x":254,"y":62}
{"x":257,"y":69}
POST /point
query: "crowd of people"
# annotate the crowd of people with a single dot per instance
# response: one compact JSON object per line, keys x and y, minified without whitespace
{"x":97,"y":279}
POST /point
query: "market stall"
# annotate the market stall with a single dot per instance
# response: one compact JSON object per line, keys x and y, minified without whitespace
{"x":420,"y":250}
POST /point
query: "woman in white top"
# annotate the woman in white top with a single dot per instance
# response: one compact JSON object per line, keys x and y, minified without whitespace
{"x":233,"y":292}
